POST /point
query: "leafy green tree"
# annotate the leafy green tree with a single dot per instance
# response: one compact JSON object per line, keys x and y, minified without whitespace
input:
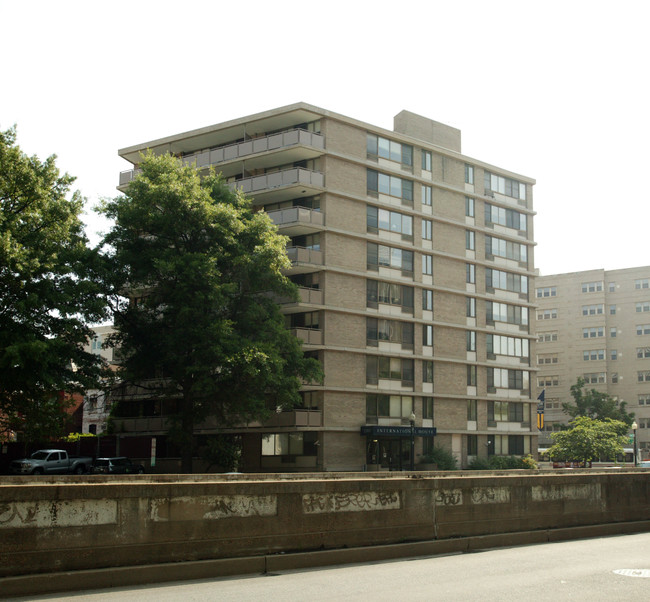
{"x":588,"y":439}
{"x":594,"y":404}
{"x":47,"y":295}
{"x":200,"y":268}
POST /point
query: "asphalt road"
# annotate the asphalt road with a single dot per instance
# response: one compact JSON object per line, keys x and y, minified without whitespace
{"x":604,"y":569}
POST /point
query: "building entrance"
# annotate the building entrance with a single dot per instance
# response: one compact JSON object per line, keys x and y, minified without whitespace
{"x":390,"y":453}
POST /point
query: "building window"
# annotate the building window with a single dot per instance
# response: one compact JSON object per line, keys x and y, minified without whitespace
{"x":643,"y":306}
{"x":381,"y":255}
{"x":470,"y":240}
{"x":96,"y":344}
{"x":427,"y":335}
{"x":427,"y":229}
{"x":426,"y":160}
{"x":389,"y":368}
{"x":508,"y":218}
{"x":471,"y":340}
{"x":593,"y":310}
{"x":427,"y":408}
{"x":289,"y":444}
{"x":546,"y":291}
{"x":506,"y":186}
{"x":469,"y":174}
{"x":613,"y":354}
{"x":469,"y":206}
{"x":644,"y":399}
{"x":470,"y":305}
{"x":511,"y":346}
{"x":592,"y":287}
{"x":389,"y":149}
{"x":642,"y":283}
{"x":547,"y":314}
{"x":389,"y":406}
{"x":614,"y":378}
{"x":471,"y":376}
{"x":643,"y":376}
{"x":427,"y":371}
{"x":427,"y":300}
{"x":498,"y":247}
{"x":594,"y":332}
{"x":503,"y":378}
{"x":390,"y":331}
{"x":505,"y":411}
{"x":470,"y":273}
{"x":390,"y":221}
{"x":427,"y":195}
{"x":612,"y":287}
{"x":427,"y":265}
{"x":389,"y":293}
{"x":595,"y":378}
{"x":507,"y":281}
{"x":547,"y":358}
{"x":547,"y":337}
{"x":380,"y":183}
{"x":612,"y":310}
{"x":503,"y":312}
{"x":613,"y":331}
{"x":548,"y":381}
{"x":643,"y":329}
{"x":303,"y":320}
{"x":472,"y":411}
{"x":643,"y":352}
{"x":593,"y":355}
{"x":472,"y":445}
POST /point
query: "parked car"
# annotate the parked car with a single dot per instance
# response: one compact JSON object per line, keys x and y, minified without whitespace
{"x":51,"y":461}
{"x":644,"y":464}
{"x":118,"y":465}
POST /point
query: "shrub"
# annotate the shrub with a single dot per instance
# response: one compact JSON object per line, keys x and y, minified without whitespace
{"x":479,"y":464}
{"x":442,"y":457}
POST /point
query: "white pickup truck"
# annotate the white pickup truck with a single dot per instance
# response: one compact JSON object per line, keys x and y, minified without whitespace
{"x":51,"y":461}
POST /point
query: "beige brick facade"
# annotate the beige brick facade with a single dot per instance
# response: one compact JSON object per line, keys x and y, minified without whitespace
{"x":393,"y":238}
{"x":596,"y":325}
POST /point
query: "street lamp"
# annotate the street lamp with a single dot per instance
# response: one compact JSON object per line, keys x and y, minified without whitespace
{"x":412,"y":420}
{"x":634,"y":427}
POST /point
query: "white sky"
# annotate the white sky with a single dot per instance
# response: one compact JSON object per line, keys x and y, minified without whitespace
{"x":554,"y":90}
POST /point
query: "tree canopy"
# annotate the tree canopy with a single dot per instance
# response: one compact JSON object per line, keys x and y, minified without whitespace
{"x":594,"y":404}
{"x":47,"y":296}
{"x":200,"y":269}
{"x":589,"y":439}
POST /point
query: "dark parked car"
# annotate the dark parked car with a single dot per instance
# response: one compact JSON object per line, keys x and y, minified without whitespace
{"x":119,"y":465}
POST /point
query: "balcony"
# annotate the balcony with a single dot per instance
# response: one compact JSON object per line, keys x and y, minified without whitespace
{"x":309,"y":336}
{"x":296,"y":221}
{"x":258,"y":153}
{"x":261,"y":153}
{"x":282,"y":185}
{"x":296,"y":417}
{"x":304,"y":260}
{"x":309,"y":296}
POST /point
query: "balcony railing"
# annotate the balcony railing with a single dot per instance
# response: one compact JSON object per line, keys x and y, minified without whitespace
{"x":295,"y":221}
{"x":280,"y":179}
{"x":305,"y":255}
{"x":309,"y":336}
{"x":248,"y":148}
{"x":245,"y":149}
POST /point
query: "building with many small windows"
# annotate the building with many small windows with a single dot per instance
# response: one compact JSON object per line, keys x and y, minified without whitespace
{"x":414,"y":264}
{"x":595,"y":325}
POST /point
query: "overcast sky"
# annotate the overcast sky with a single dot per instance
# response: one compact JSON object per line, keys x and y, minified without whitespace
{"x":554,"y":90}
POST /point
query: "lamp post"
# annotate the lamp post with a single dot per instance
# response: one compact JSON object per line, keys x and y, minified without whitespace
{"x":634,"y":427}
{"x":412,"y":419}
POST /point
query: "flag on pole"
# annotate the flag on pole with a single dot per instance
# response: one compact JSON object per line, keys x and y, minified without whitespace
{"x":541,"y":399}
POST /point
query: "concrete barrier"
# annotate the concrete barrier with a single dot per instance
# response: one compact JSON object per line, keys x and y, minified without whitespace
{"x":64,"y":524}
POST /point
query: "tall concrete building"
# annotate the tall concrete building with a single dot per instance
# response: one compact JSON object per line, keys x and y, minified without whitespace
{"x":414,"y":264}
{"x":596,"y":325}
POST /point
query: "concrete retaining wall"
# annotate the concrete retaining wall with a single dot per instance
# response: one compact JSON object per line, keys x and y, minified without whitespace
{"x":66,"y":524}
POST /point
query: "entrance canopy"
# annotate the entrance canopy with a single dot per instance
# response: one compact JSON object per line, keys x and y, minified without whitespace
{"x":398,"y":431}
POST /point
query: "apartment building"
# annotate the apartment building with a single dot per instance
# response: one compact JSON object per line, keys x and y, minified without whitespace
{"x":414,"y":264}
{"x":596,"y":325}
